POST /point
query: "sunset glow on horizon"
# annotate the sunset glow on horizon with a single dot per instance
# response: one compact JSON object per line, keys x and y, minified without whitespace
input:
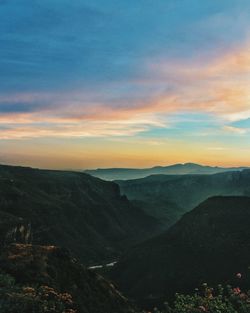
{"x":90,"y":84}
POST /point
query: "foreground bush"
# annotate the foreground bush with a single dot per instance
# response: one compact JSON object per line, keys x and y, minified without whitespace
{"x":219,"y":300}
{"x":31,"y":299}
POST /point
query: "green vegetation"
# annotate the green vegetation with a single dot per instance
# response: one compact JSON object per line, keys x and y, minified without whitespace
{"x":46,"y":279}
{"x":16,"y":298}
{"x":210,"y":300}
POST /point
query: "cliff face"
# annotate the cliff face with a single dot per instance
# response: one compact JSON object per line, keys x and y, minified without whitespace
{"x":54,"y":267}
{"x":14,"y":229}
{"x":73,"y":210}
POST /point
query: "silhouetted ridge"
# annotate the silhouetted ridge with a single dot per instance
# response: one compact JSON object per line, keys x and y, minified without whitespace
{"x":175,"y":169}
{"x":168,"y":197}
{"x":73,"y":210}
{"x":209,"y":244}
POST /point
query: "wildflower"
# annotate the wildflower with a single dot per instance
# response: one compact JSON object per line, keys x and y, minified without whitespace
{"x":243,"y":296}
{"x":209,"y":293}
{"x":238,"y":275}
{"x":28,"y":289}
{"x":236,"y":290}
{"x":202,"y":308}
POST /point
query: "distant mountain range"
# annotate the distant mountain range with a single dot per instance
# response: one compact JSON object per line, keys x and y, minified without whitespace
{"x":176,"y":169}
{"x":69,"y":209}
{"x":168,"y":197}
{"x":210,"y":244}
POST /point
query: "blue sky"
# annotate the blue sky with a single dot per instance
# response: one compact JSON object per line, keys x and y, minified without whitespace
{"x":110,"y":74}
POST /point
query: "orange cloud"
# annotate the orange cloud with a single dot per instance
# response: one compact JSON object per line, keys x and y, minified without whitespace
{"x":220,"y":86}
{"x":28,"y":128}
{"x":235,"y":130}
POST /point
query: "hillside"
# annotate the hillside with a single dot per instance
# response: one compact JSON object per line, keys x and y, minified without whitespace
{"x":209,"y":244}
{"x":47,"y":278}
{"x":167,"y":197}
{"x":69,"y":209}
{"x":175,"y":169}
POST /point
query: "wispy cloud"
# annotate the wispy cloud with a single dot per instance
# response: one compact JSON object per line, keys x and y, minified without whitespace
{"x":60,"y":128}
{"x":217,"y":87}
{"x":235,"y":130}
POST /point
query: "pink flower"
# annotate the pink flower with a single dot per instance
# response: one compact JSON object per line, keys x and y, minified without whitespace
{"x":243,"y":296}
{"x":236,"y":290}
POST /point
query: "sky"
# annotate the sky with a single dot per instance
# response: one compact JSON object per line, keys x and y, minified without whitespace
{"x":115,"y":83}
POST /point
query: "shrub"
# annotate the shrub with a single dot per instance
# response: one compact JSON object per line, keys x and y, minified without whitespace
{"x":220,"y":300}
{"x":33,"y":299}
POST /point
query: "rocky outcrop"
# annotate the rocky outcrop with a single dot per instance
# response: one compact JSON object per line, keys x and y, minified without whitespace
{"x":14,"y":229}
